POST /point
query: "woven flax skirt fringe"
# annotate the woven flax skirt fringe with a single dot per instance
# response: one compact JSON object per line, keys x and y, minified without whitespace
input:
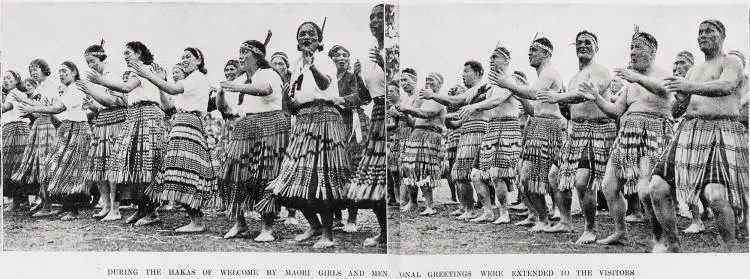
{"x":253,"y":158}
{"x":105,"y":132}
{"x":68,"y":163}
{"x":138,"y":152}
{"x":352,"y":146}
{"x":500,"y":149}
{"x":316,"y":166}
{"x":641,"y":135}
{"x":15,"y":140}
{"x":215,"y":132}
{"x":423,"y":157}
{"x":187,"y":174}
{"x":393,"y":151}
{"x":541,"y":149}
{"x":42,"y":140}
{"x":588,"y":141}
{"x":705,"y":151}
{"x":451,"y":145}
{"x":368,"y":188}
{"x":472,"y":132}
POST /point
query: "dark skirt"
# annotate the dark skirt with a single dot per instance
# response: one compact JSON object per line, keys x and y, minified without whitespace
{"x":500,"y":149}
{"x":368,"y":187}
{"x":253,"y":158}
{"x":467,"y":153}
{"x":42,"y":140}
{"x":66,"y":172}
{"x":15,"y":140}
{"x":187,"y":175}
{"x":316,"y":166}
{"x":138,"y":152}
{"x":588,"y":147}
{"x":541,"y":147}
{"x":106,"y":130}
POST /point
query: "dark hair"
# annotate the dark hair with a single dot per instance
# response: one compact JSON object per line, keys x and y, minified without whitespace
{"x":198,"y":54}
{"x":409,"y":71}
{"x":42,"y":65}
{"x":19,"y":82}
{"x":504,"y":51}
{"x":648,"y":37}
{"x":335,"y":49}
{"x":317,"y":30}
{"x":545,"y":42}
{"x":520,"y":73}
{"x":596,"y":40}
{"x":475,"y":66}
{"x":30,"y":80}
{"x":232,"y":62}
{"x":96,"y":51}
{"x":393,"y":83}
{"x":146,"y":56}
{"x":73,"y":67}
{"x":262,"y":62}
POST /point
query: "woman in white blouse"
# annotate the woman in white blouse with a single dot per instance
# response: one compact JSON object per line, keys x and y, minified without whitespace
{"x":43,"y":134}
{"x":258,"y":141}
{"x":137,"y":153}
{"x":15,"y":139}
{"x":187,"y":175}
{"x":65,"y":173}
{"x":316,"y":166}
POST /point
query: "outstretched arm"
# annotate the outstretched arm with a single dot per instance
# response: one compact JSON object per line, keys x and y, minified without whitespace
{"x":725,"y":85}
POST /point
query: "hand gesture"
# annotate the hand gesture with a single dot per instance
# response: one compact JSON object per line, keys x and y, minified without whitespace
{"x":24,"y":109}
{"x":139,"y":68}
{"x":498,"y":78}
{"x":588,"y":90}
{"x":676,"y":84}
{"x":229,"y":86}
{"x":466,"y":111}
{"x":94,"y":76}
{"x":159,"y":71}
{"x":547,"y":96}
{"x":307,"y":56}
{"x":357,"y":68}
{"x":427,"y":94}
{"x":626,"y":74}
{"x":376,"y":58}
{"x":83,"y":86}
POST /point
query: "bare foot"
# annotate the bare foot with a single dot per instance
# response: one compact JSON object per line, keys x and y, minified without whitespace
{"x":695,"y":228}
{"x":190,"y":228}
{"x":485,"y":217}
{"x":254,"y":215}
{"x":102,"y":213}
{"x":43,"y":213}
{"x":235,"y":231}
{"x":265,"y":236}
{"x":309,"y":233}
{"x":112,"y":216}
{"x":351,"y":227}
{"x":36,"y":207}
{"x":373,"y":241}
{"x":526,"y":222}
{"x":291,"y":221}
{"x":523,"y":213}
{"x":539,"y":227}
{"x":519,"y":207}
{"x":560,"y":228}
{"x":409,"y":207}
{"x":456,"y":212}
{"x":466,"y":216}
{"x":635,"y":218}
{"x":135,"y":217}
{"x":56,"y":211}
{"x":586,"y":238}
{"x":428,"y":211}
{"x":69,"y":217}
{"x":323,"y":243}
{"x":503,"y":219}
{"x":616,"y":238}
{"x":147,"y":220}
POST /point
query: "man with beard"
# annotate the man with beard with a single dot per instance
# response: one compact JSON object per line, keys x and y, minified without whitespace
{"x":708,"y":154}
{"x":500,"y":148}
{"x":543,"y":138}
{"x":473,"y":128}
{"x":423,"y":151}
{"x":585,"y":153}
{"x":644,"y":111}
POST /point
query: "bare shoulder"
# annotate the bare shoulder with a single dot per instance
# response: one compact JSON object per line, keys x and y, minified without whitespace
{"x":659,"y":73}
{"x":732,"y":62}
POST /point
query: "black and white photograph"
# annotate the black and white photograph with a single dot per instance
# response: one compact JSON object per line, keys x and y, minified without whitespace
{"x":190,"y":126}
{"x":571,"y":128}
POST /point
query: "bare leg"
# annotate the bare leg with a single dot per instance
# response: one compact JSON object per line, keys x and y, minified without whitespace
{"x":429,"y":202}
{"x":291,"y":218}
{"x":315,"y":228}
{"x":381,"y":238}
{"x":114,"y":210}
{"x":466,"y":197}
{"x":266,"y":234}
{"x":351,"y":222}
{"x":665,"y":223}
{"x":612,"y":188}
{"x":483,"y":194}
{"x":697,"y":225}
{"x":327,"y":240}
{"x":240,"y":226}
{"x":501,"y":191}
{"x":587,"y":196}
{"x":635,"y":214}
{"x":563,"y":202}
{"x":104,"y":192}
{"x":716,"y":195}
{"x":196,"y":220}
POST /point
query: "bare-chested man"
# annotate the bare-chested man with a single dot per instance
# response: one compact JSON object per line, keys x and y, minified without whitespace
{"x":543,"y":137}
{"x":472,"y":130}
{"x":586,"y":151}
{"x":500,"y":148}
{"x":405,"y":127}
{"x":645,"y":113}
{"x":708,"y":154}
{"x":422,"y":154}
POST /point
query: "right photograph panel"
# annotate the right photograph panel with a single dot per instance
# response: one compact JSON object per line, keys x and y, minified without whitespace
{"x":548,"y":128}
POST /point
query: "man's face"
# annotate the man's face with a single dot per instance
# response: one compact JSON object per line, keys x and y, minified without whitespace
{"x":641,"y":55}
{"x":536,"y":56}
{"x":709,"y":37}
{"x":377,"y":18}
{"x":407,"y":84}
{"x":497,"y":62}
{"x":432,"y":83}
{"x":470,"y":76}
{"x":586,"y":48}
{"x":680,"y":67}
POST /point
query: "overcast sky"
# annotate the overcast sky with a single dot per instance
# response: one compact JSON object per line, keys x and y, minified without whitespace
{"x":62,"y":31}
{"x":442,"y":37}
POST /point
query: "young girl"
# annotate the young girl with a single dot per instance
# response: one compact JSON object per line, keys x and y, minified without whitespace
{"x":65,"y":173}
{"x":187,"y":175}
{"x":138,"y":151}
{"x":256,"y":148}
{"x":43,"y":135}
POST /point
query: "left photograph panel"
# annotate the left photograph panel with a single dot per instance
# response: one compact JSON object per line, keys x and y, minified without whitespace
{"x":207,"y":127}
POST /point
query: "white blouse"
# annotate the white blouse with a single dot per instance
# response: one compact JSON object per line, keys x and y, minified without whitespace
{"x":309,"y":90}
{"x":72,"y":98}
{"x":256,"y":104}
{"x":196,"y":93}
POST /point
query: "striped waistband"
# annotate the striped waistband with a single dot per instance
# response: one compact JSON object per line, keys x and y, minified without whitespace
{"x":504,"y":118}
{"x":193,"y":112}
{"x":546,"y":116}
{"x":143,"y":104}
{"x":712,"y":117}
{"x":317,"y":103}
{"x":435,"y":129}
{"x":601,"y":120}
{"x":649,"y":114}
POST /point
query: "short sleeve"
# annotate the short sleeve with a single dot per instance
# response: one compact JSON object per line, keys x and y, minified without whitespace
{"x":189,"y":83}
{"x":72,"y":97}
{"x":326,"y":66}
{"x":272,"y":78}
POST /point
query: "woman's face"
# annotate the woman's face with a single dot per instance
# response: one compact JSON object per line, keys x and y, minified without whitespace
{"x":67,"y":75}
{"x":189,"y":61}
{"x":308,"y":37}
{"x":36,"y":73}
{"x":131,"y":55}
{"x":230,"y":72}
{"x":341,"y":59}
{"x":9,"y":82}
{"x":177,"y":74}
{"x":279,"y":65}
{"x":29,"y":86}
{"x":94,"y":63}
{"x":246,"y":58}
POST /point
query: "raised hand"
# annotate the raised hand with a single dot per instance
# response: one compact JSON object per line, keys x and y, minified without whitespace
{"x":626,"y":74}
{"x":139,"y":68}
{"x":357,"y":68}
{"x":376,"y":58}
{"x":427,"y":94}
{"x":83,"y":86}
{"x":547,"y":96}
{"x":229,"y":86}
{"x":466,"y":111}
{"x":676,"y":84}
{"x":588,"y":90}
{"x":159,"y":71}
